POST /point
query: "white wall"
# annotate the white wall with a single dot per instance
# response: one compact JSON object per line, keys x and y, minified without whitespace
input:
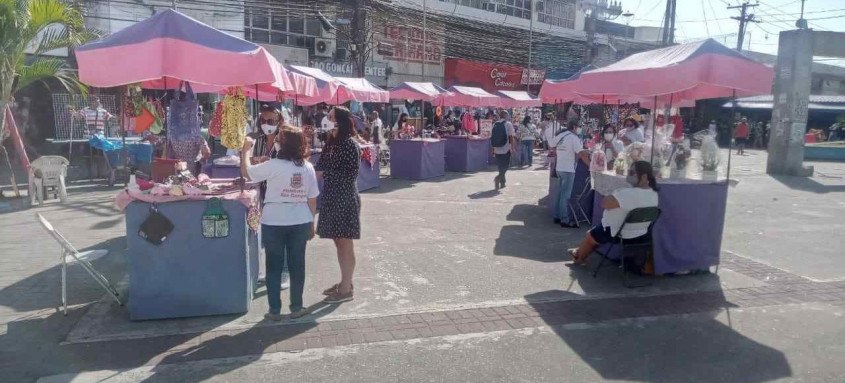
{"x":108,"y":17}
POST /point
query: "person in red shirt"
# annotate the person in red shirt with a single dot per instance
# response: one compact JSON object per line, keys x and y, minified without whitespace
{"x":741,"y":136}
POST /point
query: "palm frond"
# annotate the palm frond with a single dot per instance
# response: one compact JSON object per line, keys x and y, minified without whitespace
{"x":43,"y":69}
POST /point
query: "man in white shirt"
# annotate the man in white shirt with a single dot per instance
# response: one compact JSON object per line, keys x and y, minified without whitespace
{"x":568,"y":148}
{"x":502,"y":139}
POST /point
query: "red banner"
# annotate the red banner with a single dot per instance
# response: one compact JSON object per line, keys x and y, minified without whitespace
{"x":488,"y":76}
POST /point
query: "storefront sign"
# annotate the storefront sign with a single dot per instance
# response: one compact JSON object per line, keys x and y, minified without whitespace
{"x":348,"y":69}
{"x":490,"y":77}
{"x":407,"y":43}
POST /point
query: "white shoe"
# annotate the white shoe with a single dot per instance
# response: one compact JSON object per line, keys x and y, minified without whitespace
{"x":285,"y":281}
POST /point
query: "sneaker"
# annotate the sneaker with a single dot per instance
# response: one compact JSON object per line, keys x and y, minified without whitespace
{"x":273,"y":317}
{"x":337,"y":297}
{"x":557,"y":220}
{"x":285,"y":281}
{"x":298,"y":313}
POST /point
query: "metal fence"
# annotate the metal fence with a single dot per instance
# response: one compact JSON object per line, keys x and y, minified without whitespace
{"x":69,"y":126}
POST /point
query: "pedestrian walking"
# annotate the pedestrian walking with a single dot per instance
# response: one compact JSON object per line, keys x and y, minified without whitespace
{"x":341,"y":206}
{"x":568,"y":148}
{"x":502,"y":140}
{"x":741,"y":136}
{"x":287,"y":218}
{"x":527,"y":136}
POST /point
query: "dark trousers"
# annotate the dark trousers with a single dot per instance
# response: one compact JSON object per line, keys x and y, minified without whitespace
{"x":503,"y":161}
{"x":285,"y":244}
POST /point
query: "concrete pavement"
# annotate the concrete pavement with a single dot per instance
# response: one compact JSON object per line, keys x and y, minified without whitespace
{"x":444,"y":261}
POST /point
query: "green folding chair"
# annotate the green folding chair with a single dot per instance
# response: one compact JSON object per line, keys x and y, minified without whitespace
{"x":640,"y":215}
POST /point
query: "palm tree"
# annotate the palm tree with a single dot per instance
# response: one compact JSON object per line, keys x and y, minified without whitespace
{"x":28,"y":30}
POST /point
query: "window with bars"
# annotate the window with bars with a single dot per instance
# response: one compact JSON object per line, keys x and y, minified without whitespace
{"x":556,"y":12}
{"x":273,"y":24}
{"x":516,"y":8}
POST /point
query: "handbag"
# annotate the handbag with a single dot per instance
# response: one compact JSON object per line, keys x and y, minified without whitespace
{"x":156,"y":227}
{"x":184,"y":121}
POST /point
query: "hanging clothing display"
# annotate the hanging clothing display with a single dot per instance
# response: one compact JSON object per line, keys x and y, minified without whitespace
{"x":234,"y":120}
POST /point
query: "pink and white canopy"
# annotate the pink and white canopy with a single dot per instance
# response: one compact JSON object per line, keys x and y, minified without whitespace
{"x":361,"y":90}
{"x":686,"y":72}
{"x":425,"y":91}
{"x":173,"y":46}
{"x":327,"y":86}
{"x":467,"y":96}
{"x":518,"y":99}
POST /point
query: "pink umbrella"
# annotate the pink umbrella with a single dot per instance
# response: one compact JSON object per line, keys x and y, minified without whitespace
{"x":425,"y":91}
{"x":694,"y":71}
{"x":361,"y":90}
{"x":518,"y":99}
{"x":172,"y":46}
{"x":467,"y":96}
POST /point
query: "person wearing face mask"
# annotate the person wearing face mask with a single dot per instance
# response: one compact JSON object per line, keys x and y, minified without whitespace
{"x":633,"y":132}
{"x":268,"y":121}
{"x":613,"y":147}
{"x":568,"y":149}
{"x":287,"y":216}
{"x":643,"y":193}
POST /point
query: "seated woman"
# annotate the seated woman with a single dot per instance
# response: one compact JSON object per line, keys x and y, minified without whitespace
{"x":616,"y":208}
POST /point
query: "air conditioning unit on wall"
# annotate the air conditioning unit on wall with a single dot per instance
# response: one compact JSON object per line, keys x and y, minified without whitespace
{"x":323,"y":47}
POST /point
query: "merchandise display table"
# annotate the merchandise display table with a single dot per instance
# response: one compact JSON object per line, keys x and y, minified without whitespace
{"x":188,"y":274}
{"x":466,"y":154}
{"x":688,"y":234}
{"x":417,"y":159}
{"x":369,"y":169}
{"x":582,"y":178}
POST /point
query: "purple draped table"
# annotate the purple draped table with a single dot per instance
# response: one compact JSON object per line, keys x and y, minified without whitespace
{"x":417,"y":159}
{"x":582,"y":179}
{"x":465,"y":154}
{"x":688,"y":234}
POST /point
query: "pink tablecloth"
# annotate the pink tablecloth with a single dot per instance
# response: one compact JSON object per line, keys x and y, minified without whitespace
{"x":249,"y":197}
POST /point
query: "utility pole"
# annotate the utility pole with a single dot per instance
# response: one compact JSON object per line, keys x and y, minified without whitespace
{"x":744,"y":18}
{"x":669,"y":23}
{"x":530,"y":36}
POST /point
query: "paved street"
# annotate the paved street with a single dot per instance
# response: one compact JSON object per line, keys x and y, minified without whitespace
{"x":456,"y":282}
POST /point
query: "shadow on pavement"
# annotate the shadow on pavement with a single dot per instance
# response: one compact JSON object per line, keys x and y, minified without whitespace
{"x":808,"y":184}
{"x":537,"y":238}
{"x":484,"y":194}
{"x":661,"y":347}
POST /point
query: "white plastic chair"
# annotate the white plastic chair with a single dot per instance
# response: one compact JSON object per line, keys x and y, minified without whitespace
{"x":70,"y":254}
{"x":47,"y":171}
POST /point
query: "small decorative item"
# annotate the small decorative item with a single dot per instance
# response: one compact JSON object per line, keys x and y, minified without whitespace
{"x":597,"y":161}
{"x":619,"y":166}
{"x":215,"y":220}
{"x":709,"y":159}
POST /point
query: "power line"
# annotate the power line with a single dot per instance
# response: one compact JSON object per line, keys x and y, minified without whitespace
{"x":710,"y":3}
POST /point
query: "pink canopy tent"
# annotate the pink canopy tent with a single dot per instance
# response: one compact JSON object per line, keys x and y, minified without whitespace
{"x":518,"y":99}
{"x":467,"y":96}
{"x":694,"y":71}
{"x":425,"y":91}
{"x":172,"y":47}
{"x":326,"y":85}
{"x":361,"y":90}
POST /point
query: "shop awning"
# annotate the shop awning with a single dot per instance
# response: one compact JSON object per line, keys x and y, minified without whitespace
{"x":361,"y":90}
{"x":467,"y":96}
{"x":686,"y":72}
{"x":327,"y":86}
{"x":817,"y":103}
{"x":172,"y":46}
{"x":425,"y":91}
{"x":517,"y":99}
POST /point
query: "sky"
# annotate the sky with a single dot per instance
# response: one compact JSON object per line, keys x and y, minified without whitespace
{"x":698,"y":19}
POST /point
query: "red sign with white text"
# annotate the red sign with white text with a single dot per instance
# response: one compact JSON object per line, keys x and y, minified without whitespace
{"x":488,"y":76}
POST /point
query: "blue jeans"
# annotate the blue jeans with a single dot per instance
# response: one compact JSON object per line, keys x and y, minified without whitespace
{"x":526,"y":155}
{"x":565,"y":182}
{"x":285,"y":244}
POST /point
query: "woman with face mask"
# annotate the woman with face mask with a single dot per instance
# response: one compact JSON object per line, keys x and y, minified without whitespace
{"x":642,"y":193}
{"x":611,"y":145}
{"x":341,"y":207}
{"x":269,"y":119}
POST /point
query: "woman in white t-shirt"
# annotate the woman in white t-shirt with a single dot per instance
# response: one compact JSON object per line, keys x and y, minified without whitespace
{"x":287,"y":219}
{"x":616,"y":208}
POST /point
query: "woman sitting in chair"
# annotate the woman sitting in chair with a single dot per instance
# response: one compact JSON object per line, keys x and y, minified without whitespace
{"x":616,"y":209}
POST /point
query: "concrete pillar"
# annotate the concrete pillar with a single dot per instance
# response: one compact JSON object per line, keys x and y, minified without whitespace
{"x":791,"y":96}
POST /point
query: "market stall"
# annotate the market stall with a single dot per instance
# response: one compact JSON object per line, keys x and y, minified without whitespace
{"x":417,"y":158}
{"x":471,"y":152}
{"x":190,"y":248}
{"x":196,"y":269}
{"x":688,"y":233}
{"x":369,"y":169}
